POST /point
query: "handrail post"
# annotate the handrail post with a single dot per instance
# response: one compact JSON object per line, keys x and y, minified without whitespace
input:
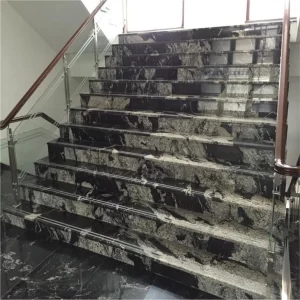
{"x":248,"y":11}
{"x":67,"y":87}
{"x":124,"y":12}
{"x":183,"y":14}
{"x":281,"y":129}
{"x":13,"y":164}
{"x":96,"y":49}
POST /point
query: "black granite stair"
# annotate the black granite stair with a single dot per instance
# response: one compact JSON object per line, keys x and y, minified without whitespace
{"x":196,"y":59}
{"x":239,"y":31}
{"x":264,"y":73}
{"x":168,"y":163}
{"x":215,"y":149}
{"x":232,"y":280}
{"x":198,"y":45}
{"x":231,"y":88}
{"x":201,"y":105}
{"x":238,"y":244}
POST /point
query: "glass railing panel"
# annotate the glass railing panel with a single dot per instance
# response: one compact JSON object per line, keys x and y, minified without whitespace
{"x":68,"y":80}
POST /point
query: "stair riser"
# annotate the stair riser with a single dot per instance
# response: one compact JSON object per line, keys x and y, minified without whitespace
{"x":198,"y":46}
{"x":180,"y":147}
{"x":261,"y":73}
{"x":202,"y":33}
{"x":196,"y":59}
{"x":155,"y":263}
{"x":180,"y":125}
{"x":246,"y":108}
{"x":254,"y":158}
{"x":235,"y":250}
{"x":218,"y":89}
{"x":228,"y":180}
{"x":208,"y":205}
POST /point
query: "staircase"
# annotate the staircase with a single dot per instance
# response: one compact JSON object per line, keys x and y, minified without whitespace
{"x":167,"y":165}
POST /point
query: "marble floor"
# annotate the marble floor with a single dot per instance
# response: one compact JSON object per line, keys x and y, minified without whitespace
{"x":33,"y":267}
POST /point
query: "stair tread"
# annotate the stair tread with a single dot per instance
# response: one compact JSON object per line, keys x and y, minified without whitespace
{"x":194,"y":67}
{"x":226,"y":272}
{"x":215,"y":81}
{"x":225,"y":119}
{"x":252,"y":25}
{"x":225,"y":231}
{"x":178,"y":97}
{"x":169,"y":135}
{"x":219,"y":140}
{"x":126,"y":173}
{"x":200,"y":39}
{"x":196,"y":53}
{"x":167,"y":183}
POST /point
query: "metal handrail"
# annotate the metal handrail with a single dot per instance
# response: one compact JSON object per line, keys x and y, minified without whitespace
{"x":281,"y":128}
{"x":35,"y":115}
{"x":248,"y":11}
{"x":4,"y":123}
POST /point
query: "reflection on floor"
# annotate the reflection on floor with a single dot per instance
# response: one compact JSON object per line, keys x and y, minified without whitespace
{"x":33,"y":267}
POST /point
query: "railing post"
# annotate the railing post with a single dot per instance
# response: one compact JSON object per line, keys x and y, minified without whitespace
{"x":183,"y":14}
{"x":281,"y":128}
{"x":277,"y":197}
{"x":13,"y":164}
{"x":124,"y":12}
{"x":96,"y":49}
{"x":67,"y":87}
{"x":248,"y":11}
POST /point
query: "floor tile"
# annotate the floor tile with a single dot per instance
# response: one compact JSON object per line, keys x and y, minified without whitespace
{"x":21,"y":253}
{"x":61,"y":276}
{"x":115,"y":280}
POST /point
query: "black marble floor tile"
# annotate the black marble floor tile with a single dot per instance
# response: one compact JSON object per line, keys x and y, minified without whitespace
{"x":73,"y":273}
{"x":21,"y":253}
{"x":114,"y":280}
{"x":60,"y":277}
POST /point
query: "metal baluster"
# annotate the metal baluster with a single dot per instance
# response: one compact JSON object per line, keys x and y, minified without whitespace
{"x":124,"y":12}
{"x":96,"y":49}
{"x":278,"y":194}
{"x":67,"y":87}
{"x":13,"y":164}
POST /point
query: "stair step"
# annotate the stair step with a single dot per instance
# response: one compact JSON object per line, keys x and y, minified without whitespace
{"x":224,"y":88}
{"x":188,"y":149}
{"x":133,"y":160}
{"x":236,"y":242}
{"x":265,"y":42}
{"x":245,"y":30}
{"x":145,"y":123}
{"x":197,"y":59}
{"x":205,"y":105}
{"x":155,"y":184}
{"x":222,"y":278}
{"x":263,"y":73}
{"x":224,"y":150}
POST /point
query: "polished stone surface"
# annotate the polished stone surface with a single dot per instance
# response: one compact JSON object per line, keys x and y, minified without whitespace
{"x":228,"y":279}
{"x":172,"y":173}
{"x":34,"y":267}
{"x":237,"y":31}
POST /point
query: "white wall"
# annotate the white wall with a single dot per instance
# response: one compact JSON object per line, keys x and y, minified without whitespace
{"x":24,"y":56}
{"x":55,"y":21}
